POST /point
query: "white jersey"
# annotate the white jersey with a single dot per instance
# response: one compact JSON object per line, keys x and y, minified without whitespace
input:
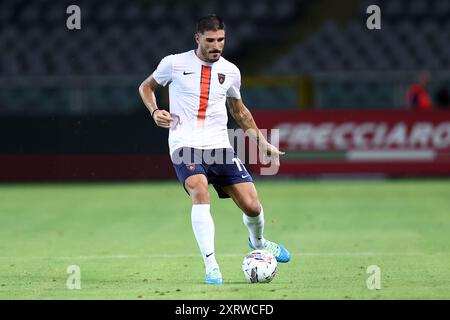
{"x":197,"y":93}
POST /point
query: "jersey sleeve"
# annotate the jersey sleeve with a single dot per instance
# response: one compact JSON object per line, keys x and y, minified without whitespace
{"x":235,"y":89}
{"x":163,"y":73}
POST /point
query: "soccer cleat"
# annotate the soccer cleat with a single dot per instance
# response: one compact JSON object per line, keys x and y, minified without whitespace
{"x":279,"y":252}
{"x":214,"y":277}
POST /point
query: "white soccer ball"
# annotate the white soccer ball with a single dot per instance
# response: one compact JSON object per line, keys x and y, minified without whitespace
{"x":259,"y":266}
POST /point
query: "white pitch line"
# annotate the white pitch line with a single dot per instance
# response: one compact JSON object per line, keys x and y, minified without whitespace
{"x":184,"y":255}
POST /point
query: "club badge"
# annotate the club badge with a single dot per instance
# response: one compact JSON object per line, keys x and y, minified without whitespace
{"x":221,"y":77}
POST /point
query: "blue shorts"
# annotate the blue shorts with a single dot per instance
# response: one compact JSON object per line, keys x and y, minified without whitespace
{"x":226,"y":170}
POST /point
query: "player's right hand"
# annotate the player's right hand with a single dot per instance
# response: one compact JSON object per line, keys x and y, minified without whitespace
{"x":162,"y":118}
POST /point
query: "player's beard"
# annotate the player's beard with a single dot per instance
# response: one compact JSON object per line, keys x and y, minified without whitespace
{"x":206,"y":55}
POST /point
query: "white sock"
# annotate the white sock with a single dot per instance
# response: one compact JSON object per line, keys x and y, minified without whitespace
{"x":203,"y":226}
{"x":255,"y":227}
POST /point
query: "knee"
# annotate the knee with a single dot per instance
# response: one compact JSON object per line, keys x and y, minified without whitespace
{"x":252,"y":207}
{"x":198,"y":193}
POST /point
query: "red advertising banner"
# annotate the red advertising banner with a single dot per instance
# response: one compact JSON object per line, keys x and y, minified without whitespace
{"x":394,"y":143}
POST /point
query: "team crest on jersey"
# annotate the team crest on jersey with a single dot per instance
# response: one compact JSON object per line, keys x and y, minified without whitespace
{"x":191,"y":167}
{"x":221,"y":77}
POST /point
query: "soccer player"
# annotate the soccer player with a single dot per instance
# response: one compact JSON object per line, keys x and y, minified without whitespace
{"x":201,"y":82}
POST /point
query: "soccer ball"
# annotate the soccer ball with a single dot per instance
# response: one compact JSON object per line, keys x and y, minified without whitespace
{"x":259,"y":266}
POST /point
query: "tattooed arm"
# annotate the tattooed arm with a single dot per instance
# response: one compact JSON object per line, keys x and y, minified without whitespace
{"x":245,"y":120}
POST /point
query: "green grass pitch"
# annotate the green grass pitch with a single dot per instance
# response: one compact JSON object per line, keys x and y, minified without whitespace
{"x":135,"y":241}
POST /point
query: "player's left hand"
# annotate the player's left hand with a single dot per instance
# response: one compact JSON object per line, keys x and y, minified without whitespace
{"x":272,"y":153}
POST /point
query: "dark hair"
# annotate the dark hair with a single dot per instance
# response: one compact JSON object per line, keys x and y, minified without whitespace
{"x":210,"y":23}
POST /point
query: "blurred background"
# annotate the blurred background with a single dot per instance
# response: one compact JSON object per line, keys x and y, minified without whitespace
{"x":348,"y":100}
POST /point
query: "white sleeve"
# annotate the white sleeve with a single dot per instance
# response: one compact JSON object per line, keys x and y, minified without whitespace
{"x":234,"y":90}
{"x":163,"y":73}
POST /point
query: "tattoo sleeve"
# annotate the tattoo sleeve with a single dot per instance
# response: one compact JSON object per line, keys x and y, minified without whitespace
{"x":245,"y":120}
{"x":242,"y":116}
